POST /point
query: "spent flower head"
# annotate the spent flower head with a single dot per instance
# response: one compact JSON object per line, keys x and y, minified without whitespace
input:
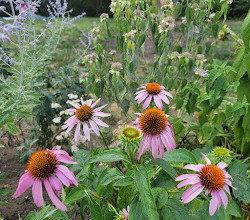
{"x":104,"y":17}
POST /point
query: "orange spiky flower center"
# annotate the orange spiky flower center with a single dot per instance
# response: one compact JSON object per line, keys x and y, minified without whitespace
{"x":84,"y":113}
{"x":42,"y":164}
{"x":153,"y":88}
{"x":212,"y":177}
{"x":153,"y":121}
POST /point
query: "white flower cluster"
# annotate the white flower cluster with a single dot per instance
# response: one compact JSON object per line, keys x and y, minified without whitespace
{"x":166,"y":4}
{"x":104,"y":17}
{"x":115,"y":68}
{"x":138,"y":12}
{"x":96,"y":30}
{"x":72,"y":96}
{"x":118,"y":5}
{"x":201,"y":72}
{"x":57,"y":120}
{"x":130,"y":34}
{"x":92,"y":57}
{"x":61,"y":136}
{"x":55,"y":105}
{"x":167,"y":24}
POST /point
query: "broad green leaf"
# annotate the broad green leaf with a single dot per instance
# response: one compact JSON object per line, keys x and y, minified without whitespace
{"x":165,"y":166}
{"x":12,"y":128}
{"x":146,"y":195}
{"x":235,"y":208}
{"x":246,"y":31}
{"x":4,"y":203}
{"x":127,"y":181}
{"x":141,"y":40}
{"x":108,"y":156}
{"x":109,"y":213}
{"x":174,"y":210}
{"x":3,"y":176}
{"x":108,"y":175}
{"x":136,"y":210}
{"x":239,"y":65}
{"x":5,"y":192}
{"x":204,"y":150}
{"x":74,"y":195}
{"x":81,"y":157}
{"x":95,"y":209}
{"x":161,"y":196}
{"x":180,"y":156}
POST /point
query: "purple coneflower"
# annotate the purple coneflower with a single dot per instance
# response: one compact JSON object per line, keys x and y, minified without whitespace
{"x":42,"y":167}
{"x":157,"y":132}
{"x":125,"y":213}
{"x":82,"y":114}
{"x":213,"y":178}
{"x":152,"y":90}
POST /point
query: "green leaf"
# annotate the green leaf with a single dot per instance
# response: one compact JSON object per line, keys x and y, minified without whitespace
{"x":109,"y":213}
{"x":235,"y":208}
{"x":108,"y":156}
{"x":3,"y":176}
{"x":74,"y":195}
{"x":204,"y":150}
{"x":5,"y":192}
{"x":239,"y":65}
{"x":188,"y":14}
{"x":165,"y":166}
{"x":4,"y":203}
{"x":174,"y":210}
{"x":246,"y":31}
{"x":12,"y":128}
{"x":108,"y":175}
{"x":95,"y":209}
{"x":143,"y":185}
{"x":82,"y":158}
{"x":161,"y":196}
{"x":180,"y":156}
{"x":127,"y":181}
{"x":136,"y":210}
{"x":141,"y":40}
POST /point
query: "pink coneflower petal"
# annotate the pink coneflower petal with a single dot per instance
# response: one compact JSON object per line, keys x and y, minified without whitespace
{"x":188,"y":182}
{"x":205,"y":157}
{"x":55,"y":183}
{"x":86,"y":130}
{"x":223,"y":197}
{"x":82,"y":102}
{"x":228,"y":190}
{"x":186,"y":176}
{"x":167,"y":93}
{"x":102,"y":114}
{"x":68,"y":174}
{"x":95,"y":103}
{"x":194,"y":167}
{"x":89,"y":102}
{"x":94,"y":127}
{"x":147,"y":102}
{"x":222,"y":165}
{"x":65,"y":159}
{"x":100,"y":108}
{"x":164,"y":98}
{"x":55,"y":151}
{"x":213,"y":204}
{"x":37,"y":192}
{"x":53,"y":197}
{"x":73,"y":104}
{"x":192,"y":192}
{"x":227,"y":175}
{"x":141,"y":97}
{"x":207,"y":192}
{"x":155,"y":148}
{"x":161,"y":147}
{"x":70,"y":110}
{"x":99,"y":122}
{"x":228,"y":182}
{"x":25,"y":182}
{"x":77,"y":132}
{"x":158,"y":102}
{"x":71,"y":125}
{"x":62,"y":178}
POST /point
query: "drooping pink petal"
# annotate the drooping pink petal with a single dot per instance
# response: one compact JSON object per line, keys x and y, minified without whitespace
{"x":194,"y":167}
{"x":25,"y":182}
{"x":101,"y":114}
{"x":213,"y":204}
{"x":72,"y":124}
{"x":167,"y":93}
{"x":221,"y":165}
{"x":55,"y":183}
{"x":94,"y":127}
{"x":68,"y":174}
{"x":207,"y":192}
{"x":99,"y":108}
{"x":227,"y":190}
{"x":170,"y":138}
{"x":147,"y":102}
{"x":77,"y":132}
{"x":62,"y":178}
{"x":70,"y":110}
{"x":95,"y":103}
{"x":154,"y":146}
{"x":142,"y":94}
{"x":158,"y":102}
{"x":65,"y":159}
{"x":144,"y":144}
{"x":86,"y":131}
{"x":53,"y":197}
{"x":223,"y":197}
{"x":205,"y":157}
{"x":186,"y":176}
{"x":99,"y":122}
{"x":188,"y":182}
{"x":161,"y":147}
{"x":164,"y":98}
{"x":37,"y":192}
{"x":61,"y":152}
{"x":82,"y":102}
{"x":227,"y":175}
{"x":89,"y":102}
{"x":165,"y":142}
{"x":228,"y":182}
{"x":192,"y":192}
{"x":142,"y":97}
{"x":73,"y":104}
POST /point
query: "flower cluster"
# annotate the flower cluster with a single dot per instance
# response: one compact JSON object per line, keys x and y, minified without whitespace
{"x":130,"y":34}
{"x":104,"y":17}
{"x":201,"y":72}
{"x":90,"y":58}
{"x":167,"y":24}
{"x":166,"y":4}
{"x":115,"y":68}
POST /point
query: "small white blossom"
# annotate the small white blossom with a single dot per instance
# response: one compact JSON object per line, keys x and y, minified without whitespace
{"x":55,"y":105}
{"x":59,"y":137}
{"x":62,"y":113}
{"x":74,"y":148}
{"x":57,"y":120}
{"x":72,"y":96}
{"x":58,"y":147}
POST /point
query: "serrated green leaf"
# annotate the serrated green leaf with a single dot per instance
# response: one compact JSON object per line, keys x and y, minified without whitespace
{"x":180,"y":156}
{"x":246,"y":31}
{"x":165,"y":166}
{"x":127,"y":181}
{"x":108,"y":175}
{"x":136,"y":211}
{"x":235,"y":208}
{"x":74,"y":195}
{"x":143,"y":185}
{"x":108,"y":156}
{"x":12,"y":128}
{"x":161,"y":196}
{"x":95,"y":209}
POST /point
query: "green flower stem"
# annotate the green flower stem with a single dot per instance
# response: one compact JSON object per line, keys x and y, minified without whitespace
{"x":98,"y":197}
{"x":105,"y":142}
